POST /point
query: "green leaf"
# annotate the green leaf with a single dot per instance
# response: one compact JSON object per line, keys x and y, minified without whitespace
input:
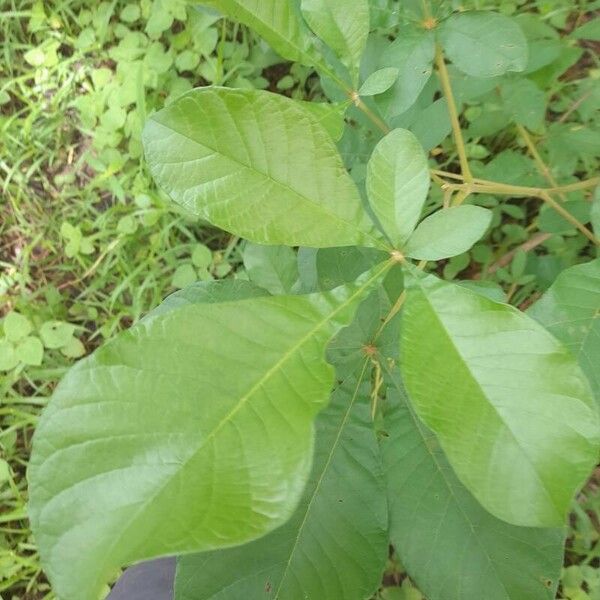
{"x":331,"y":116}
{"x":452,"y":547}
{"x":30,"y":351}
{"x":277,"y":21}
{"x":258,"y":165}
{"x":570,"y":310}
{"x":343,"y":25}
{"x":326,"y":268}
{"x":484,"y":44}
{"x":274,"y":268}
{"x":448,"y":232}
{"x":16,"y":326}
{"x":150,"y":426}
{"x":379,"y":82}
{"x":335,"y":544}
{"x":202,"y":256}
{"x":183,"y":276}
{"x":73,"y":349}
{"x":56,"y":334}
{"x":397,"y":183}
{"x":525,"y":102}
{"x":588,"y":31}
{"x":209,"y":292}
{"x":8,"y":356}
{"x":509,"y":404}
{"x":412,"y":52}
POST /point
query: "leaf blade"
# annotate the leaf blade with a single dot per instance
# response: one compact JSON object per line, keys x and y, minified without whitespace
{"x":570,"y":310}
{"x":398,"y":183}
{"x":343,"y":25}
{"x":277,"y":22}
{"x":427,"y":502}
{"x":132,"y":462}
{"x":207,"y":150}
{"x":510,"y":406}
{"x":484,"y":43}
{"x":448,"y":232}
{"x":343,"y":507}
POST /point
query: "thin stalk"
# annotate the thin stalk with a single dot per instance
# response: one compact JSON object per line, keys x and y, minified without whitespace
{"x":565,"y":214}
{"x":453,"y":111}
{"x":541,"y":165}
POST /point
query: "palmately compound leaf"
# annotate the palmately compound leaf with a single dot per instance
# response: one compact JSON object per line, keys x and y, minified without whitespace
{"x":448,"y":543}
{"x":335,"y":544}
{"x":484,"y":43}
{"x":509,"y":404}
{"x":570,"y":310}
{"x":397,"y":183}
{"x":448,"y":232}
{"x":277,"y":21}
{"x":191,"y":431}
{"x":343,"y":25}
{"x":258,"y":165}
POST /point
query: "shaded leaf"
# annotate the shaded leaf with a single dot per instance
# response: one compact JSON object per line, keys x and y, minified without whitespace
{"x":412,"y":54}
{"x":449,"y":544}
{"x":525,"y":102}
{"x":274,"y":268}
{"x":335,"y":544}
{"x":484,"y":43}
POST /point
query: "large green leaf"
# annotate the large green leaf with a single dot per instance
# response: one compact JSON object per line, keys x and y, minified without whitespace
{"x":484,"y":43}
{"x":448,"y":232}
{"x":277,"y":21}
{"x":335,"y":544}
{"x":509,"y":404}
{"x":258,"y":165}
{"x":451,"y":547}
{"x":191,"y":431}
{"x":570,"y":309}
{"x":397,"y":183}
{"x":343,"y":25}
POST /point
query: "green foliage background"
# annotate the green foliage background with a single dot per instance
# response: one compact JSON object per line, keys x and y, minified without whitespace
{"x":88,"y":245}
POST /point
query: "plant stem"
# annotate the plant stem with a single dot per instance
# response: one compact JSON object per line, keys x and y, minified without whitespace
{"x":541,"y":165}
{"x":569,"y":217}
{"x":382,"y":125}
{"x":453,"y":111}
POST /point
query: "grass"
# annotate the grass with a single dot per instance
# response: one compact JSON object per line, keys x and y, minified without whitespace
{"x":88,"y":245}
